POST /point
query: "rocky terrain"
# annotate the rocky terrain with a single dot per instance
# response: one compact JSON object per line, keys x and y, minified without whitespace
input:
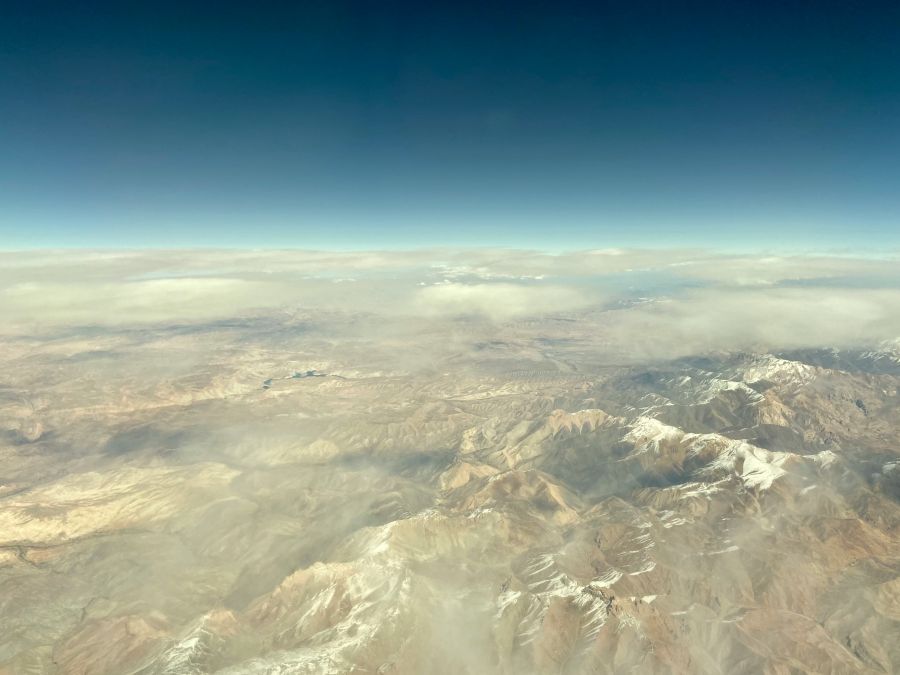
{"x":311,"y":491}
{"x":259,"y":498}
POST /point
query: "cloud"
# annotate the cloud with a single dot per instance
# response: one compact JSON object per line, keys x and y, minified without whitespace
{"x":699,"y":300}
{"x":498,"y":301}
{"x":755,"y":319}
{"x":130,"y":301}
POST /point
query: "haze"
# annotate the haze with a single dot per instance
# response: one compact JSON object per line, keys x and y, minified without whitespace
{"x":421,"y":338}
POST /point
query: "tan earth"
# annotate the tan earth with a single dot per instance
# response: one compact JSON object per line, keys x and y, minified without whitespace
{"x":288,"y":495}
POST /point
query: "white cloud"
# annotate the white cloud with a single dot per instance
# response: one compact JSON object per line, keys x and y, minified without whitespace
{"x":702,"y":300}
{"x":497,"y":301}
{"x":128,"y":301}
{"x":756,"y":318}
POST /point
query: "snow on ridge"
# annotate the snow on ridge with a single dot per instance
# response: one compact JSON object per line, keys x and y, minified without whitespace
{"x":718,"y":386}
{"x":825,"y":458}
{"x":699,"y":489}
{"x":544,"y":588}
{"x":887,"y":350}
{"x":507,"y":598}
{"x":761,"y":468}
{"x":649,"y":432}
{"x":780,"y":371}
{"x":648,"y":566}
{"x":754,"y":466}
{"x":607,"y":579}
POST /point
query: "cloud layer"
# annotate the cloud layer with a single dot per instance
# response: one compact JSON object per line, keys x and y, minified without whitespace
{"x":654,"y":303}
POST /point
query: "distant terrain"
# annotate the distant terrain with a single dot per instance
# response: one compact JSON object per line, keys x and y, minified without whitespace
{"x":455,"y":468}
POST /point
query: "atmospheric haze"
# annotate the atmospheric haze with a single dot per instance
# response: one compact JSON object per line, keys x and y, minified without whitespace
{"x":449,"y":461}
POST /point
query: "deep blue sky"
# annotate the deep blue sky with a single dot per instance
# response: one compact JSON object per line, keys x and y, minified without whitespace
{"x":375,"y":124}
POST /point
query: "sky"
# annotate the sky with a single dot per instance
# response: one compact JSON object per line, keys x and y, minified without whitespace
{"x":558,"y":126}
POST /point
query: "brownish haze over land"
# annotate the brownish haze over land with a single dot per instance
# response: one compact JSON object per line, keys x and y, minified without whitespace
{"x":496,"y":462}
